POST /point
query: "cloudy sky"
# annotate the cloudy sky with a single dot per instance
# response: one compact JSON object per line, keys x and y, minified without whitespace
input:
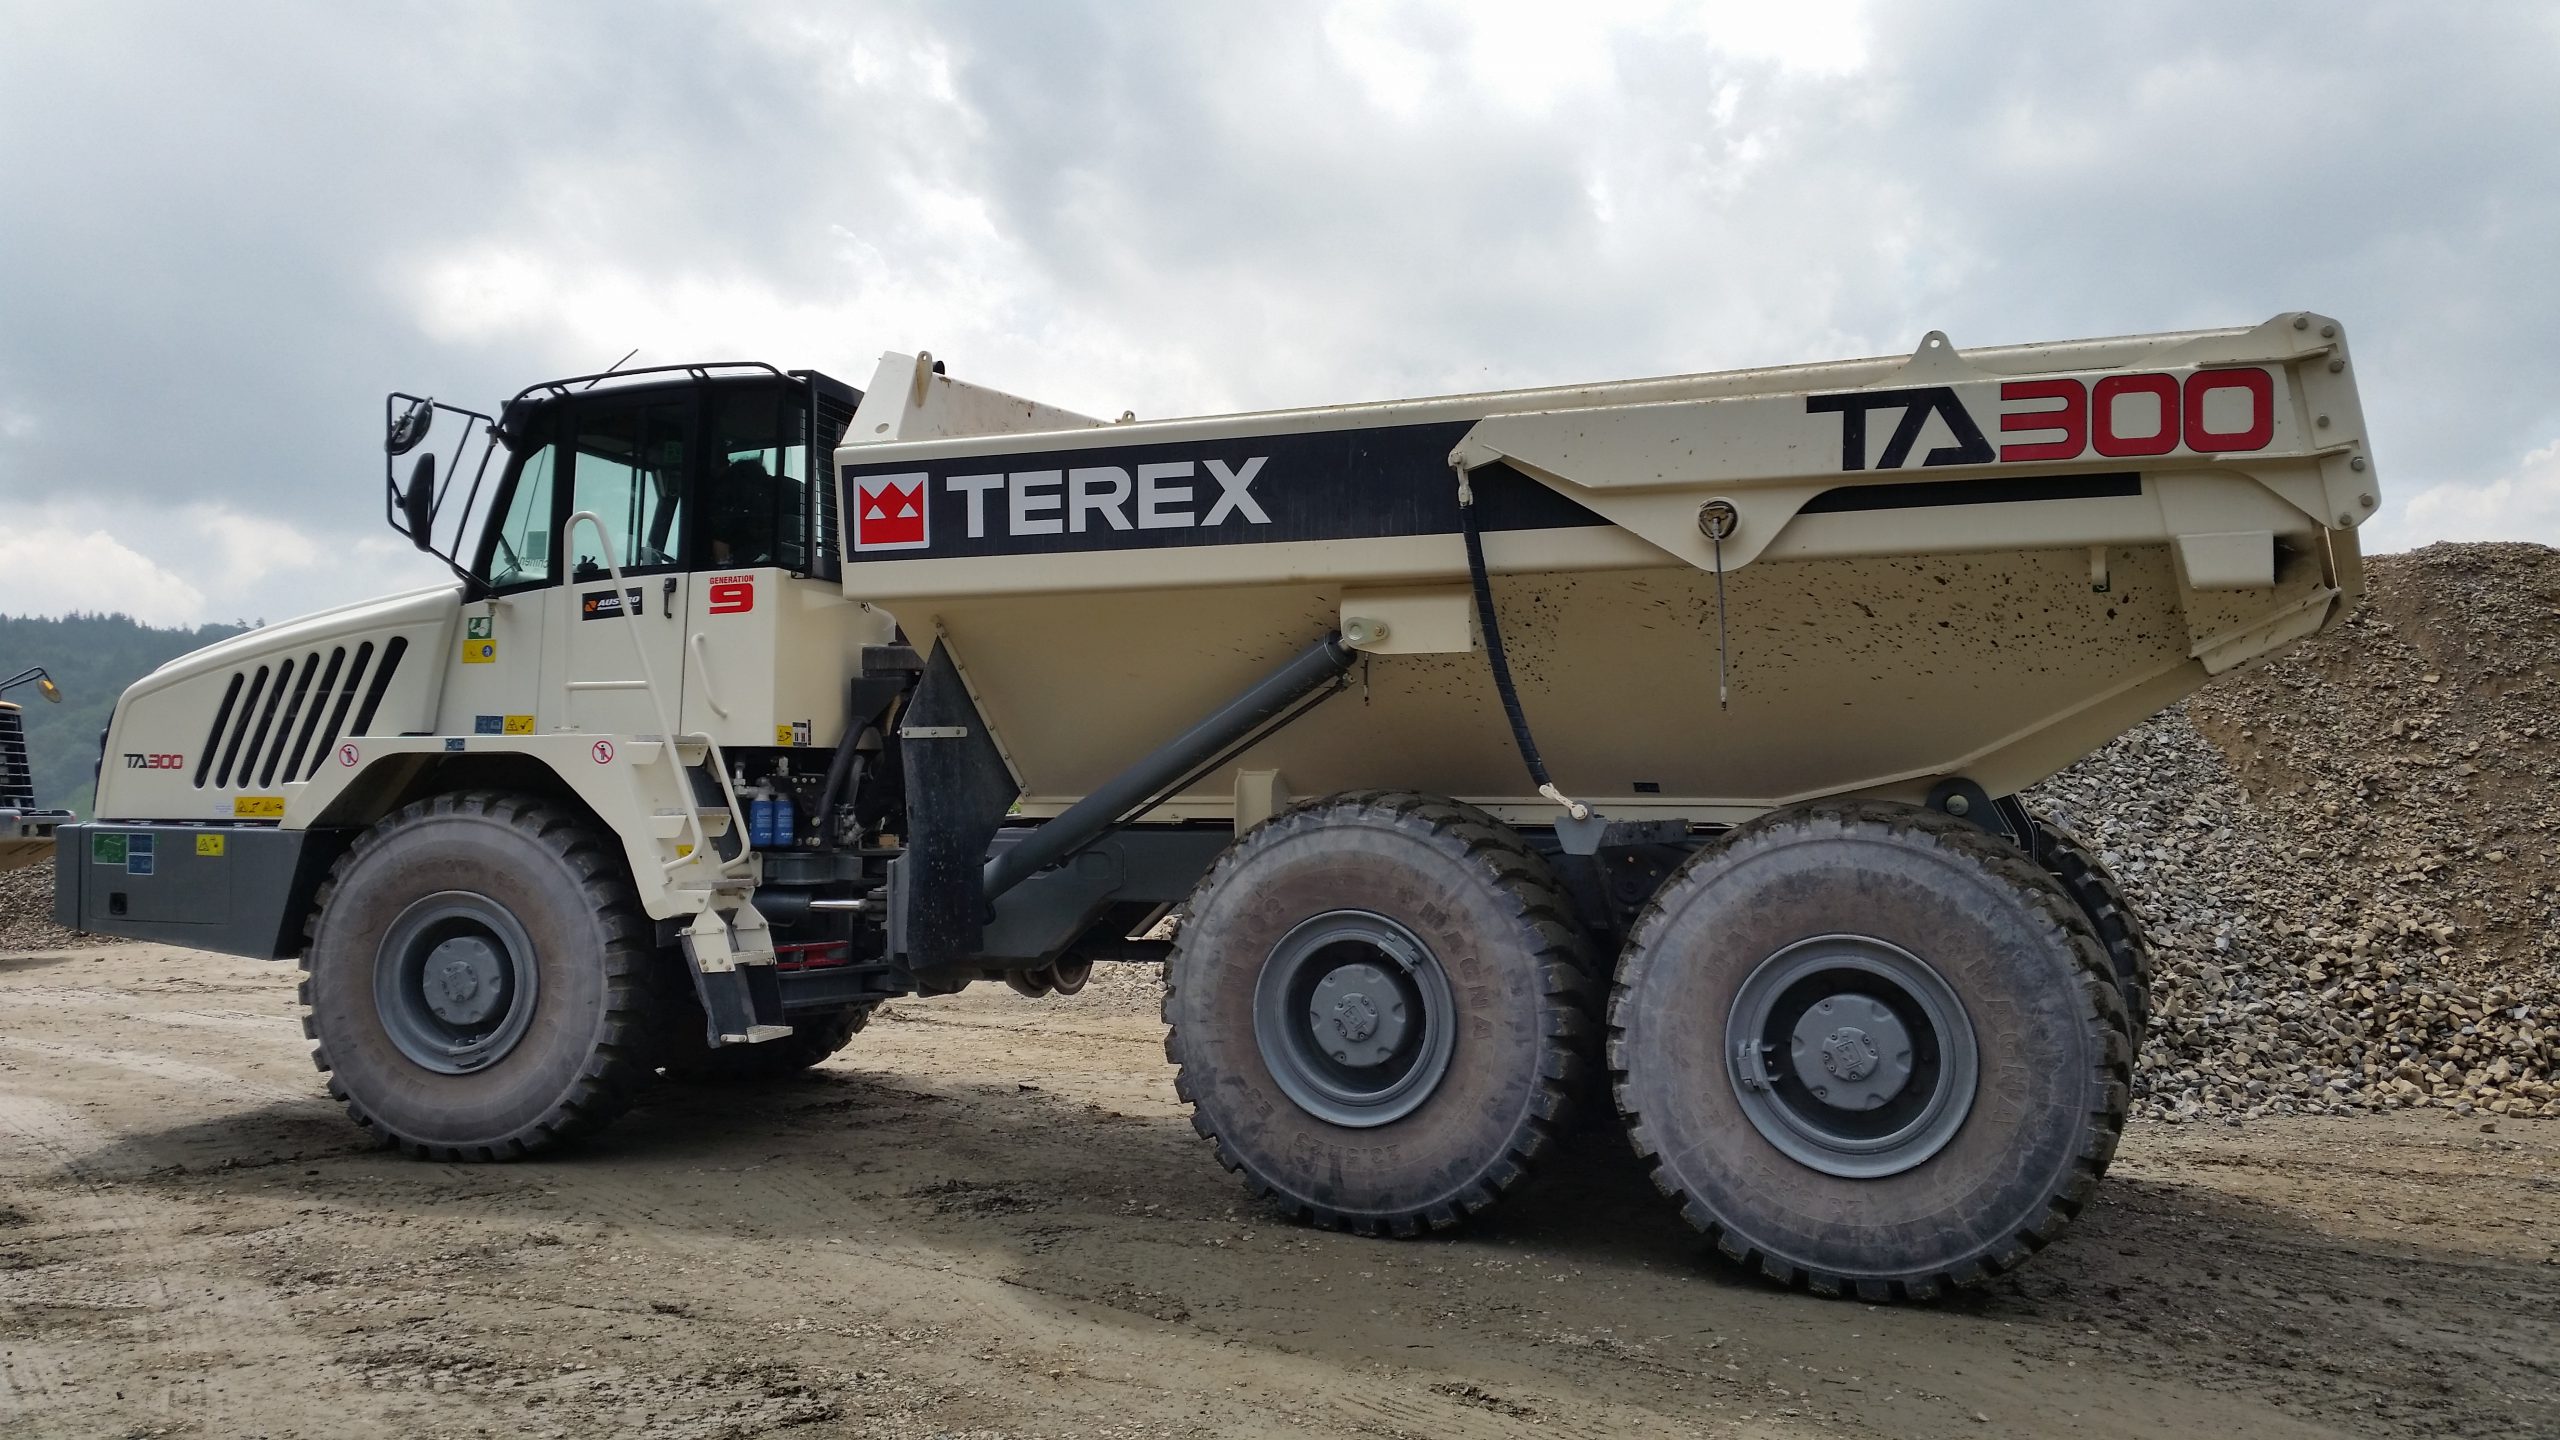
{"x":226,"y":230}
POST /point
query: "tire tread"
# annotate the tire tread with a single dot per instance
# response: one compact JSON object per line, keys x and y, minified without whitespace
{"x":1559,"y":958}
{"x":2102,"y":1005}
{"x":616,"y":1069}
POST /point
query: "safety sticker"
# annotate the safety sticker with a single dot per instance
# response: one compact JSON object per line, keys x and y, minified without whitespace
{"x":139,"y":856}
{"x":519,"y":725}
{"x":479,"y":652}
{"x":257,"y":807}
{"x":107,"y":849}
{"x":488,"y":725}
{"x":209,"y":845}
{"x":477,"y":627}
{"x":453,"y":744}
{"x":795,"y":733}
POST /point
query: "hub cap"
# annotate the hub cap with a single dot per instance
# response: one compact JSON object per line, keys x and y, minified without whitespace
{"x":1852,"y":1055}
{"x":1354,"y":1017}
{"x":454,"y":982}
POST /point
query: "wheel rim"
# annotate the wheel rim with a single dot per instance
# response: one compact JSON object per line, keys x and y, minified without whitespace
{"x":1852,"y":1055}
{"x":1353,"y":1015}
{"x":454,"y":982}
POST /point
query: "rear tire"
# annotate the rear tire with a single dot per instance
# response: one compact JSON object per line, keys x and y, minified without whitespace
{"x":1376,"y":1006}
{"x":1870,"y":1049}
{"x":478,"y":978}
{"x":812,"y":1040}
{"x":2099,"y":897}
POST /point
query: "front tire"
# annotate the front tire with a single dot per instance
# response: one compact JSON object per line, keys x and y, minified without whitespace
{"x":1376,"y":1005}
{"x":478,"y":978}
{"x":1870,"y":1049}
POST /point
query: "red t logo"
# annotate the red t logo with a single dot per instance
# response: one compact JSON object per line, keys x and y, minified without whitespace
{"x":889,"y":513}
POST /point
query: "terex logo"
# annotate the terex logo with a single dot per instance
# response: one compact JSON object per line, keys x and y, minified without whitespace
{"x":154,"y":762}
{"x":889,"y":513}
{"x":893,"y":512}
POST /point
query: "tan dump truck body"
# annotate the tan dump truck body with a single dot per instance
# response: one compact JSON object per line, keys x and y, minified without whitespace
{"x":1982,"y":563}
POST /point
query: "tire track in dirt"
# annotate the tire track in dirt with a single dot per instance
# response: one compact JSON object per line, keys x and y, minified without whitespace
{"x":997,"y":1223}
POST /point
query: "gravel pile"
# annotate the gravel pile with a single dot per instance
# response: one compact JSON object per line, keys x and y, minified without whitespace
{"x":26,"y":914}
{"x":2346,"y":857}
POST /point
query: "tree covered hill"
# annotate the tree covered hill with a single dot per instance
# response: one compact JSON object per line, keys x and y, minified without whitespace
{"x":92,"y":657}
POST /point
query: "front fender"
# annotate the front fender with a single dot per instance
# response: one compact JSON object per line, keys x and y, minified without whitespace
{"x":625,"y":782}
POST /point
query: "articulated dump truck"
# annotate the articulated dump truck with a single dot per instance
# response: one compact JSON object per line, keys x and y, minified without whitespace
{"x":1489,"y":761}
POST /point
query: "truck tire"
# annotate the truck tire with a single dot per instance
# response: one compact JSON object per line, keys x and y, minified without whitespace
{"x":479,"y":978}
{"x":1870,"y":1049}
{"x":690,"y":1057}
{"x":1376,"y":1005}
{"x":2102,"y":900}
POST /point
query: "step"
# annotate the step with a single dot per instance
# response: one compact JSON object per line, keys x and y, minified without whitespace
{"x":669,"y":824}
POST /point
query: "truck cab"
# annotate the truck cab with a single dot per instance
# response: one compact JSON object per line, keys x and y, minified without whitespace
{"x":705,"y":490}
{"x":645,"y":619}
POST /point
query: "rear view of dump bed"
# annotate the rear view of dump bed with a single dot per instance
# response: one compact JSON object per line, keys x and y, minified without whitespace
{"x":1978,"y":564}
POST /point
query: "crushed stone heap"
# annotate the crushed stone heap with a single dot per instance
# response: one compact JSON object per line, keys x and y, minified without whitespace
{"x":26,"y":914}
{"x":2348,"y":858}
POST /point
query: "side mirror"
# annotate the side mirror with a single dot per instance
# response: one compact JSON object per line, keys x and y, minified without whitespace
{"x":411,"y":427}
{"x":418,"y":502}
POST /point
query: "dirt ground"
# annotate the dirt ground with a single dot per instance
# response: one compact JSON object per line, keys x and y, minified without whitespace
{"x":990,"y":1218}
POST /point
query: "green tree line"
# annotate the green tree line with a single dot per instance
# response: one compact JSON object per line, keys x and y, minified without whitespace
{"x":92,"y":657}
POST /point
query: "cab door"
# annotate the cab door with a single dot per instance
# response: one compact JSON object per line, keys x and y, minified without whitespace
{"x":629,"y":466}
{"x":753,"y":525}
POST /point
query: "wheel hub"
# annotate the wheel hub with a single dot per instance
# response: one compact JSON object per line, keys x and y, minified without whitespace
{"x":454,"y":982}
{"x":1353,"y":1016}
{"x":1852,"y":1056}
{"x":462,"y":980}
{"x":1357,"y":1015}
{"x":1851,"y":1051}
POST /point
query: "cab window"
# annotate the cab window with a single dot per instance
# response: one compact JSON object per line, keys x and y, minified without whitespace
{"x":519,"y":550}
{"x":756,"y":486}
{"x":629,"y":471}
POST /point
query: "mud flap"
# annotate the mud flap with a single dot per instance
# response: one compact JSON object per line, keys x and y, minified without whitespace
{"x":958,"y":789}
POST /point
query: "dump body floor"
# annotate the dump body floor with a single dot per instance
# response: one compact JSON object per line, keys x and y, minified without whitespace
{"x":989,"y":1215}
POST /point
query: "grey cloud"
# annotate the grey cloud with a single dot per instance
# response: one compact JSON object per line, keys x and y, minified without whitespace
{"x":214,"y":213}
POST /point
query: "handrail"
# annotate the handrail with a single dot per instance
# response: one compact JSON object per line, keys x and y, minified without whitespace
{"x":658,"y":707}
{"x":710,"y":691}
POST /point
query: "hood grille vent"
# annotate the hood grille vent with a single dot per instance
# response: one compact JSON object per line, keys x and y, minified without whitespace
{"x":278,"y":721}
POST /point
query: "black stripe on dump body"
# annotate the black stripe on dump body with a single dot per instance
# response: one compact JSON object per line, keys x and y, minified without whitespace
{"x":1386,"y":480}
{"x":1999,"y":490}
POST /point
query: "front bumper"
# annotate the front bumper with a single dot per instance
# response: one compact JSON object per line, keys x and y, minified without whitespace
{"x":236,"y":889}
